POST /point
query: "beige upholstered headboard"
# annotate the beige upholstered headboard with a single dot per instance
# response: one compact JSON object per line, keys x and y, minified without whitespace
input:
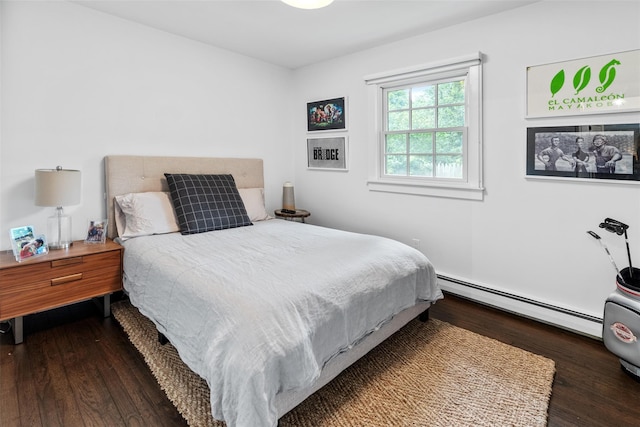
{"x":138,"y":174}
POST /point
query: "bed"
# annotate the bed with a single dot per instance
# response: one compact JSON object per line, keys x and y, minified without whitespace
{"x":288,"y":305}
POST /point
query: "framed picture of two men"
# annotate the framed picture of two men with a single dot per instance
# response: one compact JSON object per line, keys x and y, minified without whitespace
{"x":606,"y":152}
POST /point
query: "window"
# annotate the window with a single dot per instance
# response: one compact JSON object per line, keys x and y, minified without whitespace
{"x":428,"y":130}
{"x":424,"y":130}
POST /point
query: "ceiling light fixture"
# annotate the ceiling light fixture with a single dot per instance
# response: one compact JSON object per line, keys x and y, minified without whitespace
{"x":308,"y":4}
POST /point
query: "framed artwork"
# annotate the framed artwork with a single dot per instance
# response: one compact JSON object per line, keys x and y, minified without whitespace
{"x":604,"y":152}
{"x":329,"y":114}
{"x":96,"y":231}
{"x":327,"y":153}
{"x":26,"y":244}
{"x":599,"y":84}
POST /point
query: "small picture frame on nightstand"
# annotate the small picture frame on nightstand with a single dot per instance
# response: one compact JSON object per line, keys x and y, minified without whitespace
{"x":26,"y":244}
{"x":96,"y":231}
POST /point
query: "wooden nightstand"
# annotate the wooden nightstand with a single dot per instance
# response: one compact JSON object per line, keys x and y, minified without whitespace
{"x":300,"y":214}
{"x":61,"y":277}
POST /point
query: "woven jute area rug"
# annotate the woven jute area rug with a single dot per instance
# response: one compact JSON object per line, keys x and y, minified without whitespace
{"x":427,"y":374}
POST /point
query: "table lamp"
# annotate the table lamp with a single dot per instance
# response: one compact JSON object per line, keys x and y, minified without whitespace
{"x":58,"y":187}
{"x":288,"y":199}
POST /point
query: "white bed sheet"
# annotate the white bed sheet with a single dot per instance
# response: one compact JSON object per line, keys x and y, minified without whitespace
{"x":260,"y":309}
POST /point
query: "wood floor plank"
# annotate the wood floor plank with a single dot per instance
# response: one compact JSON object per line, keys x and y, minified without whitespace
{"x":76,"y":346}
{"x":160,"y":408}
{"x":25,"y":388}
{"x":54,"y":392}
{"x":129,"y":379}
{"x":123,"y":394}
{"x":58,"y":397}
{"x":8,"y":390}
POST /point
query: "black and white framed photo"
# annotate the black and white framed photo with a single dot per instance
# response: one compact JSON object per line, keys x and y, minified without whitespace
{"x":96,"y":231}
{"x":603,"y":152}
{"x":327,"y":153}
{"x":328,"y":114}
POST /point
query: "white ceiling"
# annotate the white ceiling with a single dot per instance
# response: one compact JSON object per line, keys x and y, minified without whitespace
{"x":279,"y":34}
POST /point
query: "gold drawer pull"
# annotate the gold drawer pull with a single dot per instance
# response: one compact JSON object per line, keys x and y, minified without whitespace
{"x":66,"y":279}
{"x":66,"y":261}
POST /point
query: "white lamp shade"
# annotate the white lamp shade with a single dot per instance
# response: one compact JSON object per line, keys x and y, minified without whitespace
{"x":57,"y":187}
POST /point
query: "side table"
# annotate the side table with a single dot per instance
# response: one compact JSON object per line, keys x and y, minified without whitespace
{"x":61,"y":277}
{"x":300,"y":214}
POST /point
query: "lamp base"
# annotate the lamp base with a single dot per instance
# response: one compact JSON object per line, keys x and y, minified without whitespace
{"x":59,"y":231}
{"x":64,"y":245}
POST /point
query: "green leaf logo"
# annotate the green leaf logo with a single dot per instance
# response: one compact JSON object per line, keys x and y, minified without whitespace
{"x":607,"y":75}
{"x":581,"y":79}
{"x":557,"y":82}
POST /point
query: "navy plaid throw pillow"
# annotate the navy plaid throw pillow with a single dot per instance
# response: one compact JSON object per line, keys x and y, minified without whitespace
{"x":206,"y":202}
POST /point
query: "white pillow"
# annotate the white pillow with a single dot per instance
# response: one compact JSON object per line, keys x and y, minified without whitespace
{"x":143,"y":214}
{"x":253,"y":199}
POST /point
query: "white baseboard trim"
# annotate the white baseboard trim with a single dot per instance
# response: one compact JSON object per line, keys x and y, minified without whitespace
{"x":580,"y":323}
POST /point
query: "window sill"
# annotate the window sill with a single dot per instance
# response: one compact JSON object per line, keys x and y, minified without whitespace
{"x":453,"y":191}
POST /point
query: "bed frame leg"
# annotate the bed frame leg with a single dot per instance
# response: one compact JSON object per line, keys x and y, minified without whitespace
{"x":424,"y":316}
{"x":162,"y":339}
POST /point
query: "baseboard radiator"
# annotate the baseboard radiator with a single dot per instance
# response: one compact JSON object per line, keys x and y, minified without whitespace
{"x":571,"y":320}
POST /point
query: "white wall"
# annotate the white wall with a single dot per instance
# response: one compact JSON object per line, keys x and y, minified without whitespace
{"x":78,"y":84}
{"x":527,"y":237}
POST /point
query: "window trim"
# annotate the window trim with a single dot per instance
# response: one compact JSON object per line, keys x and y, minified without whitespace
{"x":472,"y":186}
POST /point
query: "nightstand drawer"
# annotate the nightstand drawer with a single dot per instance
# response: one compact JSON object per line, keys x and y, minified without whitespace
{"x":45,"y":285}
{"x":57,"y":272}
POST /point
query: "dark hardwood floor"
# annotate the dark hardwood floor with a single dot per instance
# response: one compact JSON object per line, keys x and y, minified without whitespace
{"x":77,"y":369}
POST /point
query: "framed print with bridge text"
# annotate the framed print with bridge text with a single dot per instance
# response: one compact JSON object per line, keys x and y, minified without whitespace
{"x":327,"y":153}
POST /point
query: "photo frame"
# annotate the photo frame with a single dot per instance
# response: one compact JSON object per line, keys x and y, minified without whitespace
{"x":96,"y":231}
{"x":26,"y":244}
{"x":602,"y":152}
{"x":327,"y":153}
{"x":328,"y":114}
{"x":595,"y":85}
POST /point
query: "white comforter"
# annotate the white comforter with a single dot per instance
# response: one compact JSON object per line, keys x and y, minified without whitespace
{"x":258,"y":310}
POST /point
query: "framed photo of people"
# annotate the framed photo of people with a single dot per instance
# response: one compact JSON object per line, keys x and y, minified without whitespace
{"x":328,"y":114}
{"x":26,"y":244}
{"x":96,"y":231}
{"x":604,"y":152}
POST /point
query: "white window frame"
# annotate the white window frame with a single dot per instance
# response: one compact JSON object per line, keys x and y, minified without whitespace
{"x":471,"y":186}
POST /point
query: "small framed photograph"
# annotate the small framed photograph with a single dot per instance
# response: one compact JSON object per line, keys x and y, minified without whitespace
{"x":329,"y":114}
{"x":327,"y":153}
{"x":603,"y":152}
{"x":26,"y":244}
{"x":96,"y":231}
